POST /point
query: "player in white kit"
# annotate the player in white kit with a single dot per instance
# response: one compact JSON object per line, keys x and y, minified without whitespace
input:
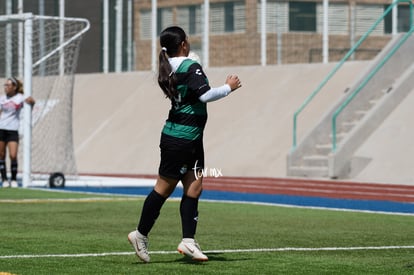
{"x":11,"y":104}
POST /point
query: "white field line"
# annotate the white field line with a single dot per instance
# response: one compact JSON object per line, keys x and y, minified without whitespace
{"x":252,"y":250}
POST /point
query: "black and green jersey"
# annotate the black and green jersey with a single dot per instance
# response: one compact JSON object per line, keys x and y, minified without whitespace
{"x":188,"y":115}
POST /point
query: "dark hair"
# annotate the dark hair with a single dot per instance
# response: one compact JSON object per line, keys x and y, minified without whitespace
{"x":170,"y":41}
{"x":17,"y":83}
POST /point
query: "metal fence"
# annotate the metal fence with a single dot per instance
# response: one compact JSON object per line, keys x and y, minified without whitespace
{"x":124,"y":33}
{"x":255,"y":32}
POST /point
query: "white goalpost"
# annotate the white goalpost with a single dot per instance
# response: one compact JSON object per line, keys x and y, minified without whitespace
{"x":43,"y":52}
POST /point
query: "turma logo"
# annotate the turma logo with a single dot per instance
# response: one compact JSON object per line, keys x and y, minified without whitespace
{"x":206,"y":172}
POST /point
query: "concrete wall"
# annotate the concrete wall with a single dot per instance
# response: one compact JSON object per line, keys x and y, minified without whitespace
{"x":118,"y":119}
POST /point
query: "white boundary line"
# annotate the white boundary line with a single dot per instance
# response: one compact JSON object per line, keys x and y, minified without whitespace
{"x":96,"y":181}
{"x":252,"y":250}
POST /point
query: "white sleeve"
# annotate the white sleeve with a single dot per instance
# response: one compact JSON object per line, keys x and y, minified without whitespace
{"x":215,"y":93}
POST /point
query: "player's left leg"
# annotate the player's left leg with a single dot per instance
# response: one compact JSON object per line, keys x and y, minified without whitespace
{"x":189,"y":216}
{"x":13,"y":149}
{"x":149,"y":214}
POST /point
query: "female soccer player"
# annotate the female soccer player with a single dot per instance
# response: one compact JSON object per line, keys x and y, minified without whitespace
{"x":10,"y":106}
{"x":182,"y":155}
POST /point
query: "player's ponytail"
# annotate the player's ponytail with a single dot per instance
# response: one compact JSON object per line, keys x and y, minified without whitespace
{"x":166,"y":77}
{"x":170,"y":40}
{"x":19,"y":88}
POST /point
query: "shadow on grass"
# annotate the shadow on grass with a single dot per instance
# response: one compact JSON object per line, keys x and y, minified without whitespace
{"x":212,"y":257}
{"x":409,"y":266}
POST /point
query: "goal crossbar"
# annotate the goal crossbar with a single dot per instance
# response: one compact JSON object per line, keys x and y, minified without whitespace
{"x":27,"y":16}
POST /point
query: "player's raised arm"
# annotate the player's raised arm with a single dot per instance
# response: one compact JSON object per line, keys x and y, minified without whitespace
{"x":232,"y":83}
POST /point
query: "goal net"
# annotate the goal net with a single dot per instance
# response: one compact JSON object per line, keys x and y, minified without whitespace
{"x":42,"y":51}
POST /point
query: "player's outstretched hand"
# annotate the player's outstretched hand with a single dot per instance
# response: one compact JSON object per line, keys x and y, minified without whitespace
{"x":233,"y":81}
{"x":30,"y":100}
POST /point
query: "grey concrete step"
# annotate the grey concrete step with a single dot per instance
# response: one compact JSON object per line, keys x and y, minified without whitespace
{"x":307,"y":171}
{"x":316,"y":161}
{"x":323,"y":149}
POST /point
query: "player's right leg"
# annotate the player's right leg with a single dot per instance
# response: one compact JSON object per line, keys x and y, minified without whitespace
{"x":13,"y":146}
{"x":190,"y":248}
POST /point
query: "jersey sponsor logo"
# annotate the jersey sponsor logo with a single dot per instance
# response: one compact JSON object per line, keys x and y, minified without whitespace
{"x":11,"y":106}
{"x":198,"y":72}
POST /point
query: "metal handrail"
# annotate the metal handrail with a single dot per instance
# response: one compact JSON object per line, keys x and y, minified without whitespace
{"x":370,"y":75}
{"x":338,"y":66}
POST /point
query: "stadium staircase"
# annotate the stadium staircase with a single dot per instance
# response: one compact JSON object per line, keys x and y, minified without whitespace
{"x":327,"y":150}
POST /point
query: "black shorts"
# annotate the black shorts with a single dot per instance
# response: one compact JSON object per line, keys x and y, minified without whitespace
{"x":9,"y":135}
{"x":176,"y":163}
